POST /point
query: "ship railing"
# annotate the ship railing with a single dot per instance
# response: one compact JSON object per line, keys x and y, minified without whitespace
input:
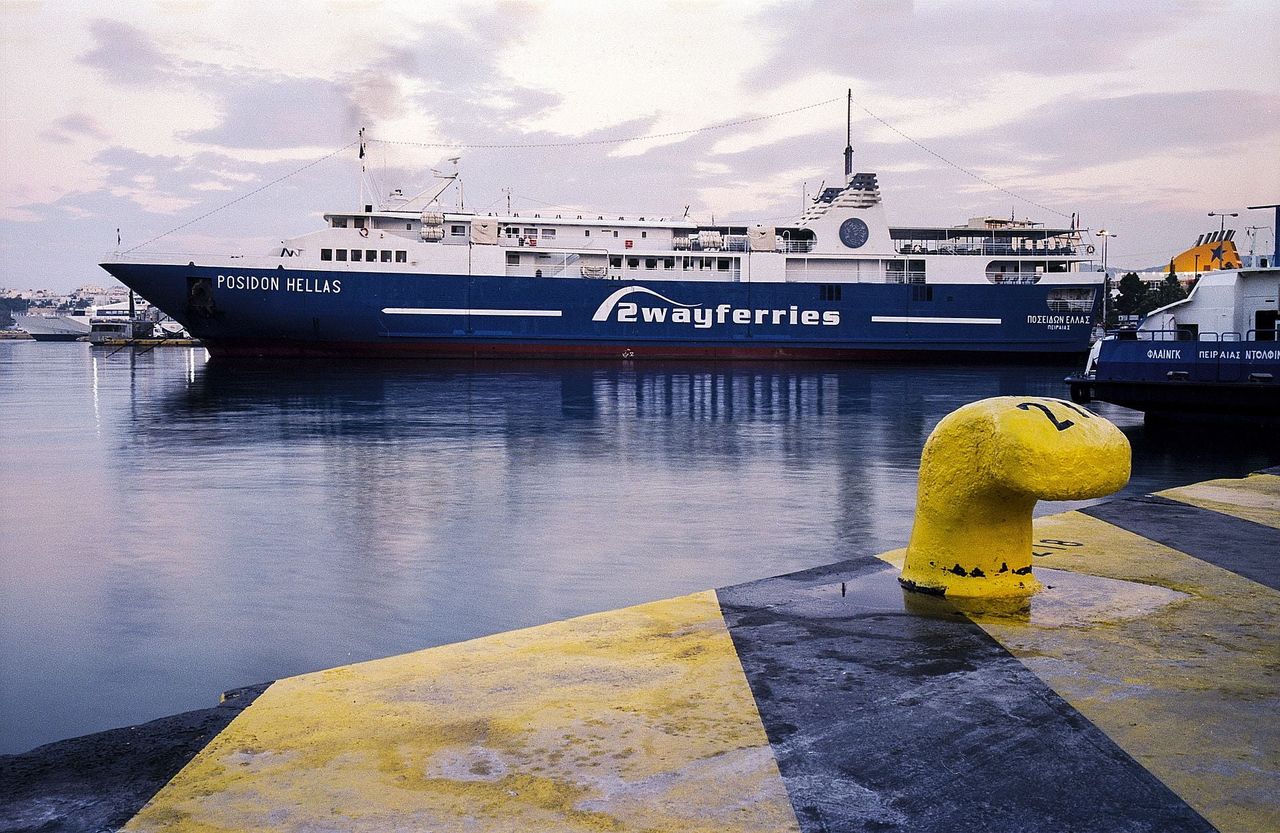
{"x":794,"y":246}
{"x":1015,"y":277}
{"x":1006,"y":249}
{"x":1190,"y":334}
{"x":904,"y":276}
{"x":552,"y":267}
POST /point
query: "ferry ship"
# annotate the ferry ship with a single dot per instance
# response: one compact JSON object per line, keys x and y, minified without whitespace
{"x":1214,"y":354}
{"x":405,"y":277}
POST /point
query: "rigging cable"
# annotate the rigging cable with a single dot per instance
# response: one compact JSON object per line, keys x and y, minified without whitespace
{"x":246,"y":196}
{"x":960,"y":168}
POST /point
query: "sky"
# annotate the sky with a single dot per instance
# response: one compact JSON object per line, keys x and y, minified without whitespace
{"x":1141,"y":117}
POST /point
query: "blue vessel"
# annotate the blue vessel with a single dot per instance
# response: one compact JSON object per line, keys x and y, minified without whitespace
{"x":1213,"y":354}
{"x":404,"y":277}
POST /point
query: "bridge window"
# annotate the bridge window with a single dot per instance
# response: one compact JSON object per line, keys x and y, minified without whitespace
{"x":339,"y":222}
{"x":358,"y":221}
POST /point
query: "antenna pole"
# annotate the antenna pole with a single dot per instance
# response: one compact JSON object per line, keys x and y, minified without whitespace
{"x":848,"y":136}
{"x":360,"y":189}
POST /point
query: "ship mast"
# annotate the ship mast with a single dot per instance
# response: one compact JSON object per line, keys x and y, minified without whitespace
{"x":848,"y":137}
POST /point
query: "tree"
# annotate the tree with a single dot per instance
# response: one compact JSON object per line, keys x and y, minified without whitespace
{"x":1166,"y":293}
{"x":1133,"y":295}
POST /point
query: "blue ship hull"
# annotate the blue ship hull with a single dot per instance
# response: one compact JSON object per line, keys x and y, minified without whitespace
{"x":1233,"y":379}
{"x":237,"y":311}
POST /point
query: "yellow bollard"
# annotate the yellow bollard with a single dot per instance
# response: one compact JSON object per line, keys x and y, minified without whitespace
{"x":982,"y":470}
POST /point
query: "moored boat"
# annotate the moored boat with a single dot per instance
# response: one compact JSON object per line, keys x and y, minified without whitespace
{"x":71,"y":326}
{"x":1214,"y":354}
{"x":403,"y":278}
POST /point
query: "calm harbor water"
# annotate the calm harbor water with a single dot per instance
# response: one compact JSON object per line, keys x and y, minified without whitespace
{"x":170,"y":528}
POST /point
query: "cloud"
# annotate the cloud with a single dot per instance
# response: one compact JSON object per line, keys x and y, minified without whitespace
{"x":261,"y":112}
{"x":125,"y":54}
{"x":954,"y":45}
{"x":1125,"y":127}
{"x":73,"y":126}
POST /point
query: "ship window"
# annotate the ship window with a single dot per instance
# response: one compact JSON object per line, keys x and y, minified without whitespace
{"x":722,"y":264}
{"x":829,"y":292}
{"x":341,"y":254}
{"x":586,"y":233}
{"x":615,"y":261}
{"x":513,"y":259}
{"x":339,"y":222}
{"x":651,"y":263}
{"x":633,"y":262}
{"x":644,"y":234}
{"x":548,"y":232}
{"x":615,"y":234}
{"x":386,"y":255}
{"x":358,"y":221}
{"x":668,"y":263}
{"x":355,"y":254}
{"x":408,"y":226}
{"x":457,"y":231}
{"x":326,"y":254}
{"x":371,"y":255}
{"x":400,"y":255}
{"x":531,"y":232}
{"x":511,"y":231}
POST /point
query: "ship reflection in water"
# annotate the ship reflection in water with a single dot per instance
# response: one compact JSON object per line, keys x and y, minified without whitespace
{"x":175,"y":528}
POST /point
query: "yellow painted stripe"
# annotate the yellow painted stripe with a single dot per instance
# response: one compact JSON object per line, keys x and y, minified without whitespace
{"x":1255,"y":498}
{"x":634,"y":719}
{"x":1172,"y":657}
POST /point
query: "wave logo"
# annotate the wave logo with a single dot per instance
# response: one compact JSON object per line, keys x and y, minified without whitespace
{"x":632,"y":312}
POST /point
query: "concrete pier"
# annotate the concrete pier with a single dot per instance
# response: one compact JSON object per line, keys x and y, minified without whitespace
{"x":1136,"y":692}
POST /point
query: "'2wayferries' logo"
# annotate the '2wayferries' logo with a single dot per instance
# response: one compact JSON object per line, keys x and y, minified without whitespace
{"x":638,"y":312}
